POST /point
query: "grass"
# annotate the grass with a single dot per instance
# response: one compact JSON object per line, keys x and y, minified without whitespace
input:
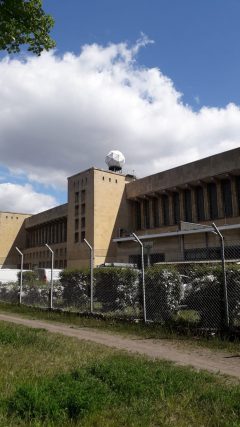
{"x":52,"y":380}
{"x":149,"y":331}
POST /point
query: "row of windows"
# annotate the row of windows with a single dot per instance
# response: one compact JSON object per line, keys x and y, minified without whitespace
{"x":161,"y":209}
{"x":12,"y":217}
{"x":76,"y":236}
{"x":51,"y":233}
{"x":83,"y":181}
{"x":109,"y":179}
{"x":80,"y":196}
{"x":46,"y":254}
{"x":62,"y":263}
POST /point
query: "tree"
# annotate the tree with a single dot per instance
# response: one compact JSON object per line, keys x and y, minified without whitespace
{"x":24,"y":22}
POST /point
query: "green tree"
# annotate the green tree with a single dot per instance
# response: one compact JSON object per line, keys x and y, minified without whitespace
{"x":24,"y":22}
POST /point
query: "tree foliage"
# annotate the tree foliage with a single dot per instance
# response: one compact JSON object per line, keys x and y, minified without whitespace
{"x":24,"y":22}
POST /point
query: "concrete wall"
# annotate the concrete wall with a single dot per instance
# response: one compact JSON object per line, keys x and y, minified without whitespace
{"x":228,"y":161}
{"x":12,"y":234}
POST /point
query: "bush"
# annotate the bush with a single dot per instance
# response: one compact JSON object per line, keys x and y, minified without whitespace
{"x":163,"y":292}
{"x":29,"y":277}
{"x":76,"y":288}
{"x":204,"y":293}
{"x":117,"y":288}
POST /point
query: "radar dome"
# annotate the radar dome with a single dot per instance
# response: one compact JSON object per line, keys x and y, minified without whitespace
{"x":115,"y":160}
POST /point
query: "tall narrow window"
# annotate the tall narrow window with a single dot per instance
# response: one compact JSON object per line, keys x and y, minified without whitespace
{"x":188,"y":205}
{"x":137,"y":209}
{"x":76,"y":210}
{"x":212,"y":197}
{"x":165,"y":209}
{"x":176,"y":208}
{"x":76,"y":197}
{"x":155,"y":208}
{"x":146,"y":214}
{"x":227,"y":197}
{"x":238,"y":191}
{"x":200,"y":204}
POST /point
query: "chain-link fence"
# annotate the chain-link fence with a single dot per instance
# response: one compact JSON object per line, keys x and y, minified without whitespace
{"x":189,"y":293}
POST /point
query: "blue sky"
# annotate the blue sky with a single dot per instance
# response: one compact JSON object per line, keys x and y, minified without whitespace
{"x":196,"y":41}
{"x":107,"y":86}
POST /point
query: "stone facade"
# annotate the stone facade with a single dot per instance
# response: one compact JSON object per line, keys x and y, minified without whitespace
{"x":105,"y":207}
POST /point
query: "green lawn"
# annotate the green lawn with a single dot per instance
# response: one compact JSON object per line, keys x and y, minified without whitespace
{"x":52,"y":380}
{"x":123,"y":328}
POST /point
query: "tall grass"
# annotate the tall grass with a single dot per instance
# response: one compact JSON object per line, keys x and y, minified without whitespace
{"x":51,"y":380}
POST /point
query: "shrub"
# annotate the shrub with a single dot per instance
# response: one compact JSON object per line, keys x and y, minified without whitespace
{"x":76,"y":287}
{"x":163,"y":292}
{"x":117,"y":288}
{"x":29,"y":277}
{"x":204,"y":293}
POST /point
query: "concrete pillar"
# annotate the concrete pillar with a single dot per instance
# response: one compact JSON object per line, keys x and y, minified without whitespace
{"x":142,"y":216}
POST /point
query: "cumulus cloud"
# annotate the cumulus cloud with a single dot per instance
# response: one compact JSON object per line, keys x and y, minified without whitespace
{"x":23,"y":198}
{"x":59,"y":115}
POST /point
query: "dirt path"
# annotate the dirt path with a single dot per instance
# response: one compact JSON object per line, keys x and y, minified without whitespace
{"x":202,"y":358}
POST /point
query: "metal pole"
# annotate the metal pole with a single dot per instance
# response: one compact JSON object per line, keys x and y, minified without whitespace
{"x":91,"y":275}
{"x":225,"y":293}
{"x":21,"y":275}
{"x":52,"y":264}
{"x":143,"y":276}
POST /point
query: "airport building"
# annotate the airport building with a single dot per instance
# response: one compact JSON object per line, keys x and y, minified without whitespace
{"x":106,"y":206}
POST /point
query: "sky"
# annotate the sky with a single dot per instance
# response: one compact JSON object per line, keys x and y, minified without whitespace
{"x":158,"y":80}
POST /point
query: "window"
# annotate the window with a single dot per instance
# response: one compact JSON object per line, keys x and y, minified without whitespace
{"x":238,"y":191}
{"x":76,"y":237}
{"x":212,"y":198}
{"x":76,"y":223}
{"x":110,"y":179}
{"x":76,"y":196}
{"x":83,"y":208}
{"x":83,"y":195}
{"x":165,"y":209}
{"x":83,"y":222}
{"x":188,"y":205}
{"x":137,"y":209}
{"x":155,"y":208}
{"x":146,"y":214}
{"x":227,"y":197}
{"x":200,"y":204}
{"x":103,"y":178}
{"x":116,"y":181}
{"x":82,"y":236}
{"x":176,"y":208}
{"x":76,"y":210}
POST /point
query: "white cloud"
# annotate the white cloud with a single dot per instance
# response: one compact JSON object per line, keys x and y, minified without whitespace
{"x":59,"y":115}
{"x":22,"y":198}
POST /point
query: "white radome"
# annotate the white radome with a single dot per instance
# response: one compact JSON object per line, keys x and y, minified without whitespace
{"x":115,"y":159}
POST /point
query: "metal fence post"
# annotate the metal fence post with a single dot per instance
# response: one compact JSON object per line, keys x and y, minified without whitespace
{"x":225,"y":293}
{"x":143,"y":276}
{"x":52,"y":264}
{"x":21,"y":275}
{"x":91,"y":275}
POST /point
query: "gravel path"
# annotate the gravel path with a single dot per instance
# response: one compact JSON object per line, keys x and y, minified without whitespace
{"x":198,"y":358}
